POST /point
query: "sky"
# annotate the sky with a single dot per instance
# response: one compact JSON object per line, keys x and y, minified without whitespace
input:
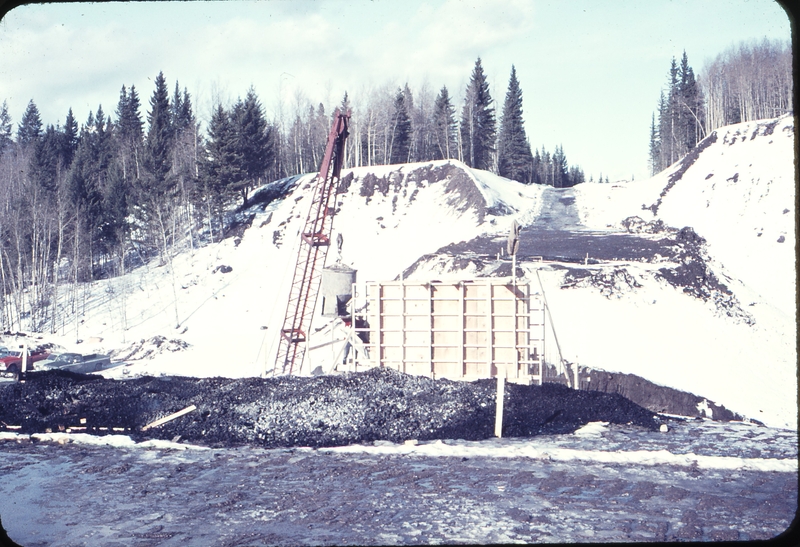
{"x":590,"y":70}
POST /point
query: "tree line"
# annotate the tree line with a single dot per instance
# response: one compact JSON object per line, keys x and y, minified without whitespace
{"x":747,"y":82}
{"x":396,"y":125}
{"x":83,"y":201}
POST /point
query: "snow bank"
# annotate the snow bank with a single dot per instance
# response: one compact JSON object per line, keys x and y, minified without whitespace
{"x":468,"y":449}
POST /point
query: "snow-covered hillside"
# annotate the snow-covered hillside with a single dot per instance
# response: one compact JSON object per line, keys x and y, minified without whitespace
{"x":218,"y":313}
{"x":738,"y":193}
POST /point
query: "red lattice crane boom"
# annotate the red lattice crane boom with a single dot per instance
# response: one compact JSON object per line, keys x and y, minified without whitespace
{"x":315,"y":240}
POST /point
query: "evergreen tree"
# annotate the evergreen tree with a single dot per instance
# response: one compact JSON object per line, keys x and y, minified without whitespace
{"x":560,"y":168}
{"x":70,"y":139}
{"x":186,"y":119}
{"x":691,"y":106}
{"x":681,"y":117}
{"x":478,"y":122}
{"x":129,"y":120}
{"x":513,"y":150}
{"x":5,"y":127}
{"x":444,"y":126}
{"x":88,"y":171}
{"x":130,"y":133}
{"x":221,"y":167}
{"x":252,"y":143}
{"x":654,"y":160}
{"x":158,"y":145}
{"x":536,"y":168}
{"x":399,"y":149}
{"x":47,"y":159}
{"x":30,"y":128}
{"x":113,"y":225}
{"x":345,"y":106}
{"x":575,"y":175}
{"x":176,"y":109}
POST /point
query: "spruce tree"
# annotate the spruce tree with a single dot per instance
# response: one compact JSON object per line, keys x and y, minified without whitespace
{"x":252,"y":143}
{"x":186,"y":119}
{"x":5,"y":127}
{"x":444,"y":126}
{"x":114,"y":225}
{"x":513,"y":150}
{"x":560,"y":168}
{"x":30,"y":127}
{"x":691,"y":106}
{"x":681,"y":117}
{"x":536,"y":168}
{"x":176,"y":108}
{"x":400,"y":146}
{"x":70,"y":139}
{"x":221,"y":165}
{"x":129,"y":134}
{"x":129,"y":120}
{"x":478,"y":122}
{"x":654,"y":162}
{"x":158,"y":144}
{"x":47,"y":159}
{"x":84,"y":180}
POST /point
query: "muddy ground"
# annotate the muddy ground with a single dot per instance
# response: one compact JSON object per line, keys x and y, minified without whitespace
{"x":379,"y":404}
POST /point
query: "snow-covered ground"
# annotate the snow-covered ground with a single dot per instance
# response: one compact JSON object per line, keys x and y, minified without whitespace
{"x":739,"y":195}
{"x":701,"y":480}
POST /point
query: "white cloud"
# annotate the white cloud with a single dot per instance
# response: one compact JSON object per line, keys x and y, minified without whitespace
{"x":586,"y":68}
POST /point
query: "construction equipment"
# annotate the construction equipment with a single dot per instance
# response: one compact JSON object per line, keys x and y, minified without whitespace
{"x":314,"y":244}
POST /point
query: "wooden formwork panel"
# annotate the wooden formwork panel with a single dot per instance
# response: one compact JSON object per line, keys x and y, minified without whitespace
{"x":456,"y":330}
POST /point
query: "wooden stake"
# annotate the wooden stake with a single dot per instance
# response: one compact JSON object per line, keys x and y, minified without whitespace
{"x":498,"y":417}
{"x":169,"y":418}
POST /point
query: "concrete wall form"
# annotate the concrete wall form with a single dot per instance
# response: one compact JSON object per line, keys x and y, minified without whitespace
{"x":464,"y":330}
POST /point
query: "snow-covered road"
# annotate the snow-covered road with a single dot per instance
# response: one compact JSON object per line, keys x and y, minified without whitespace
{"x":700,"y":481}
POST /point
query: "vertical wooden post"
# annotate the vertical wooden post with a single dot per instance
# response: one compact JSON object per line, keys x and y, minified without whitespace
{"x":430,"y":329}
{"x":498,"y":417}
{"x":463,"y":325}
{"x":24,"y":365}
{"x":489,"y":328}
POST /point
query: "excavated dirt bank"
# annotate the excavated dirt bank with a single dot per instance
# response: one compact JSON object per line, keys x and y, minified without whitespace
{"x":379,"y":404}
{"x":654,"y":397}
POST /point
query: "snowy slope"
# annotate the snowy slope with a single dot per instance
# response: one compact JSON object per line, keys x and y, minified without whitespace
{"x":738,"y":194}
{"x":227,"y":323}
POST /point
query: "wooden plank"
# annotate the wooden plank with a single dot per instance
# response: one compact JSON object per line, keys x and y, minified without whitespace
{"x":169,"y":418}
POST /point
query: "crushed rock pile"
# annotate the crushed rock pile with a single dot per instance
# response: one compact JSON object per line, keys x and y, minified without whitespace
{"x":379,"y":404}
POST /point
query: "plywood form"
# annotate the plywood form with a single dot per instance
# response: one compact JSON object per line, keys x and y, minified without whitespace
{"x":466,"y":330}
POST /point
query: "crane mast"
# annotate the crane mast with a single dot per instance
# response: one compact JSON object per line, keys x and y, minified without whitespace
{"x":315,"y":241}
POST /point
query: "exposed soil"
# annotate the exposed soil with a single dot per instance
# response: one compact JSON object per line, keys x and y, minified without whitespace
{"x":651,"y":396}
{"x":379,"y":404}
{"x":684,"y":164}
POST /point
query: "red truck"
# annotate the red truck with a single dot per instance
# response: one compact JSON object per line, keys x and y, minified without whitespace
{"x":11,"y":361}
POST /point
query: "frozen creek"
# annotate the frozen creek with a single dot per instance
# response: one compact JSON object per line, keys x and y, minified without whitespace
{"x":702,"y":480}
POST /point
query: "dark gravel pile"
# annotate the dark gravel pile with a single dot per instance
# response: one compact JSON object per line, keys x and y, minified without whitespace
{"x":379,"y":404}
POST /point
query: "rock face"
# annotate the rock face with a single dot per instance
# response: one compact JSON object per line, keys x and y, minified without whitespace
{"x":379,"y":404}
